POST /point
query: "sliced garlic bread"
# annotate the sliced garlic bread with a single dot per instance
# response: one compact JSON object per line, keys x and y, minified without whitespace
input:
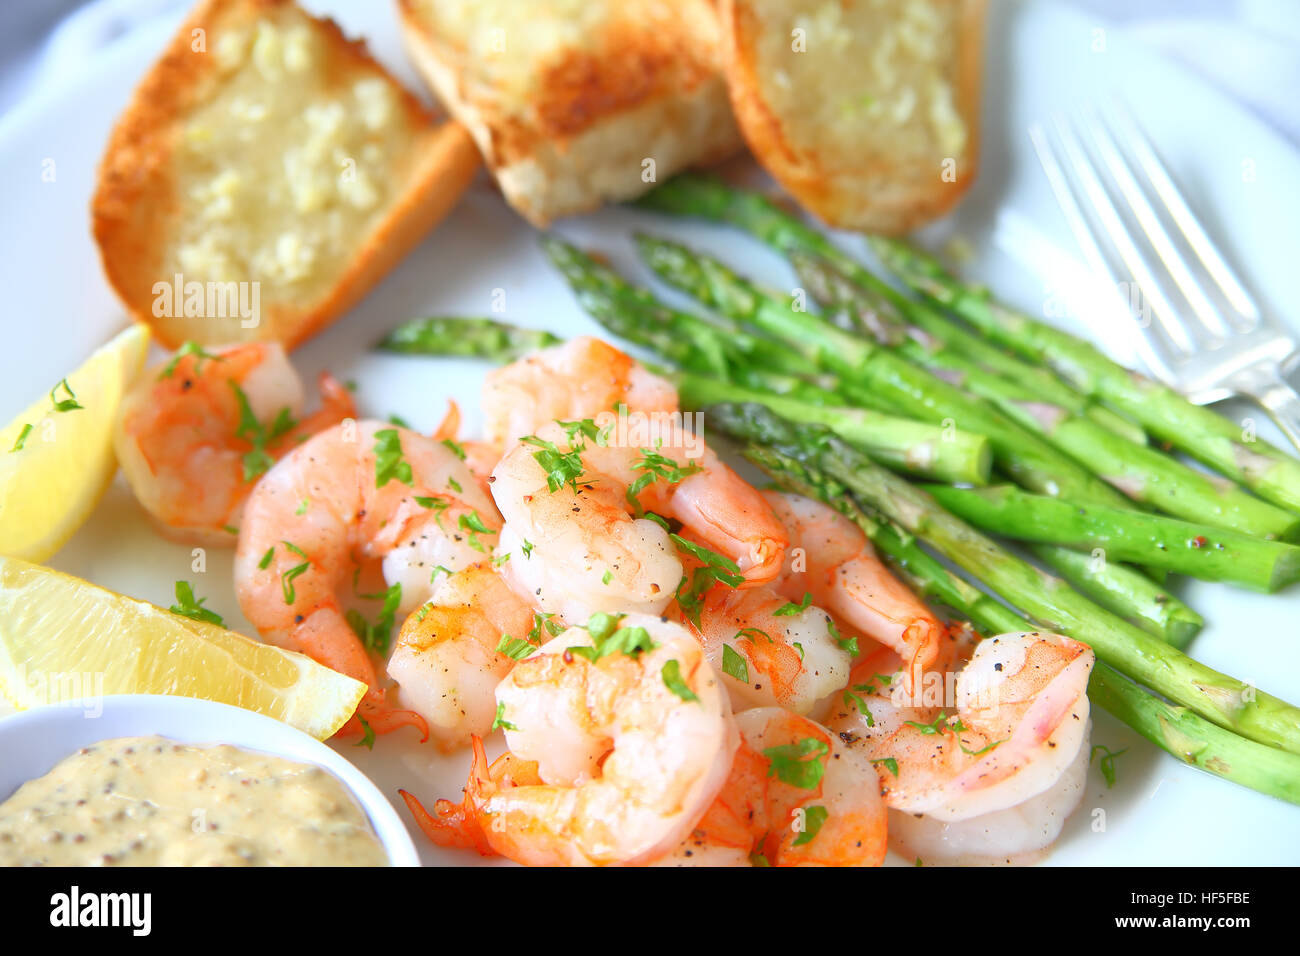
{"x":265,"y":175}
{"x":866,"y":111}
{"x":574,"y":103}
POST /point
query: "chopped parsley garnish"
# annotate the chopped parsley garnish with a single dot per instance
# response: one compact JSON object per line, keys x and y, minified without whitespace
{"x":302,"y":507}
{"x":800,"y":765}
{"x":1107,"y":763}
{"x":890,"y":764}
{"x":672,"y":675}
{"x":734,"y":664}
{"x":377,"y":636}
{"x":188,"y":348}
{"x":813,"y":818}
{"x":69,"y":404}
{"x":936,"y":726}
{"x":527,"y":548}
{"x":286,"y":579}
{"x":367,"y":736}
{"x":399,"y":421}
{"x":587,"y":429}
{"x":607,"y":577}
{"x":454,"y":485}
{"x":389,"y":463}
{"x":798,"y":649}
{"x":455,"y":448}
{"x":542,"y":621}
{"x":500,"y":719}
{"x":692,"y":588}
{"x":609,"y":638}
{"x":473,"y":523}
{"x":790,"y":609}
{"x":188,"y":606}
{"x":257,"y":461}
{"x":514,"y":648}
{"x":753,"y":632}
{"x":561,"y":467}
{"x":266,"y":558}
{"x":853,"y":700}
{"x":656,"y":467}
{"x":849,"y":644}
{"x":22,"y":438}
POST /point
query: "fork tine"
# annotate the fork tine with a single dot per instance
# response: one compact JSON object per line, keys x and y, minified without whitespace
{"x":1156,"y":347}
{"x":1229,"y":285}
{"x":1211,"y":318}
{"x":1113,"y":225}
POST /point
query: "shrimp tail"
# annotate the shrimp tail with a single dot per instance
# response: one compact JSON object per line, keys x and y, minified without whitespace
{"x":449,"y":427}
{"x":336,"y":405}
{"x":382,"y":718}
{"x":459,"y":825}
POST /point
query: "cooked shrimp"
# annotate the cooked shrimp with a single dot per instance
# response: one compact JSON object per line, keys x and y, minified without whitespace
{"x":571,"y":499}
{"x":995,"y":774}
{"x":796,"y":796}
{"x":194,"y":435}
{"x":831,"y":559}
{"x":629,"y":749}
{"x":446,"y":661}
{"x":771,"y":652}
{"x":357,"y":492}
{"x":577,"y":379}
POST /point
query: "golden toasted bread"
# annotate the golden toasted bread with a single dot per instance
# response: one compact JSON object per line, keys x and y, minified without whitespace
{"x":577,"y":102}
{"x":265,"y":175}
{"x":866,"y":111}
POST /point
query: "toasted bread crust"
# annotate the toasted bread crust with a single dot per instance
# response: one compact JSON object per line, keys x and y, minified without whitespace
{"x":636,"y":90}
{"x":136,"y":202}
{"x":876,"y":192}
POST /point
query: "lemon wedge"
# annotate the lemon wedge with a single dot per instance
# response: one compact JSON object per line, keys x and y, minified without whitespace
{"x":55,"y":465}
{"x":62,"y":637}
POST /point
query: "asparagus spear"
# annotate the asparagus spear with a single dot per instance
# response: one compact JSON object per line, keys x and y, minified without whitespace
{"x":1124,"y":591}
{"x":911,"y":391}
{"x":860,"y":292}
{"x":1183,"y":547}
{"x":472,"y":337}
{"x":1196,"y":741}
{"x":898,"y":443}
{"x":1201,"y":433}
{"x":1048,"y":601}
{"x":1145,"y":475}
{"x":1175,"y":730}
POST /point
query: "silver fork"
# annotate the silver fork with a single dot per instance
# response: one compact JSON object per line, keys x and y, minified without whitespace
{"x":1201,"y":332}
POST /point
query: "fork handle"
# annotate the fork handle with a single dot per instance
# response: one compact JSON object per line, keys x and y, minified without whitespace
{"x":1280,"y":400}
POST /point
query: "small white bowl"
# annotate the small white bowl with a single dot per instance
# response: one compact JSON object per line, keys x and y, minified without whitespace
{"x":33,"y":741}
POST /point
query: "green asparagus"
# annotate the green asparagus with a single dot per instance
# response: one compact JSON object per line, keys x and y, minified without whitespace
{"x":908,"y":390}
{"x":1182,"y":547}
{"x":1048,"y":601}
{"x":898,"y":443}
{"x":471,"y":337}
{"x":1218,"y":442}
{"x":846,"y":286}
{"x":1195,"y":741}
{"x":1124,"y":591}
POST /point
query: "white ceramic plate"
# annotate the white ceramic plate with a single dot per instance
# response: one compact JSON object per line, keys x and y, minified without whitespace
{"x":34,"y":741}
{"x":1239,"y":176}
